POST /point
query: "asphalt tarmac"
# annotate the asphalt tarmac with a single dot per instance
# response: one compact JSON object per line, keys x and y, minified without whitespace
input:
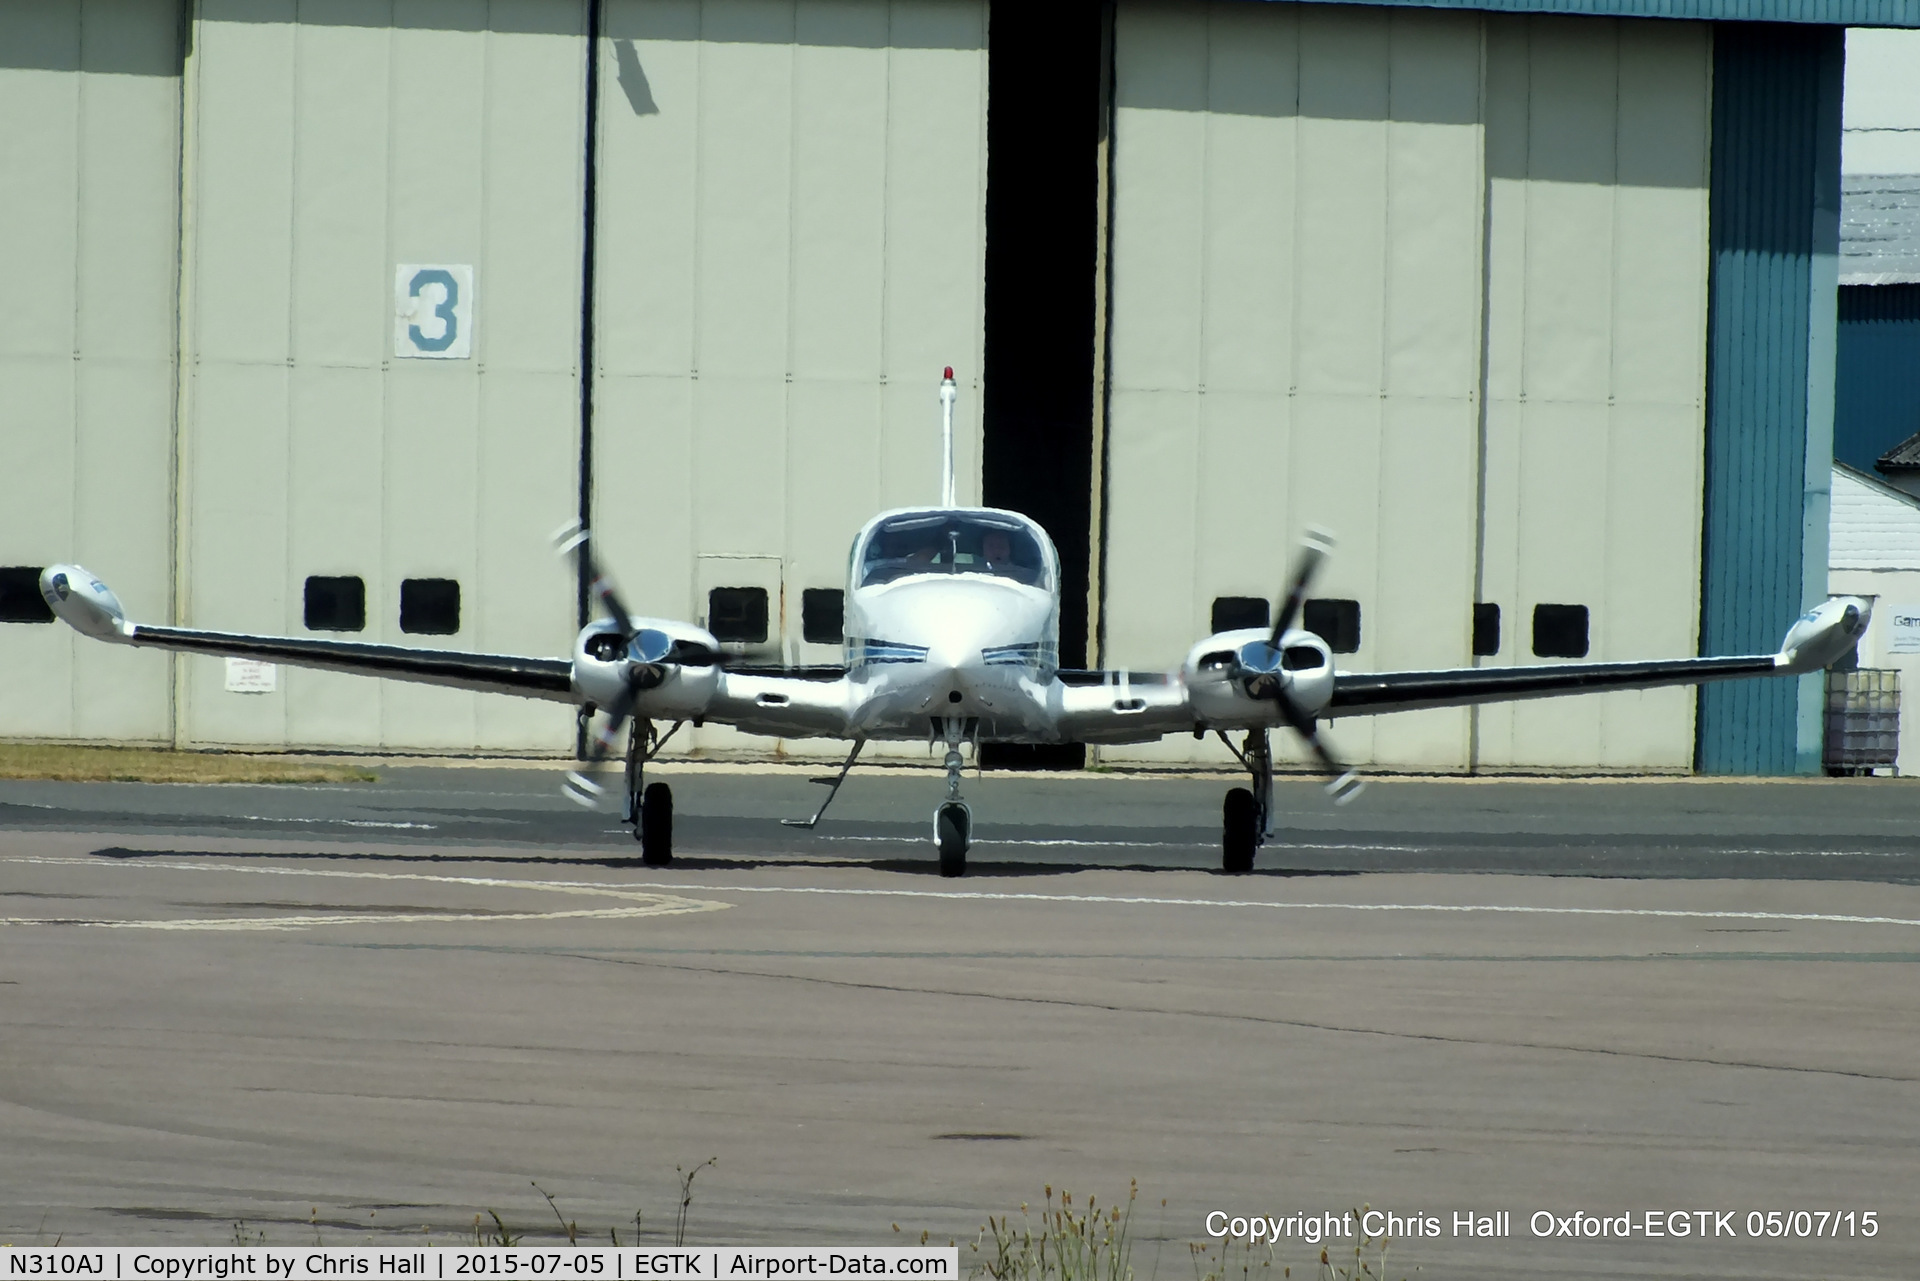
{"x":365,"y":1014}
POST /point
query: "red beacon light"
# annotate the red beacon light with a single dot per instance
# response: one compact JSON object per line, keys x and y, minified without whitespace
{"x":949,"y":373}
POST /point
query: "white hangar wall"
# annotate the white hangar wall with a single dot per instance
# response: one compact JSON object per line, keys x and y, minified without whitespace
{"x":205,"y":403}
{"x":89,"y":150}
{"x":1435,"y":281}
{"x":790,"y":247}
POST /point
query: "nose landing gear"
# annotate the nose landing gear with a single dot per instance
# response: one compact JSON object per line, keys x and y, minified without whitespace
{"x":953,"y":821}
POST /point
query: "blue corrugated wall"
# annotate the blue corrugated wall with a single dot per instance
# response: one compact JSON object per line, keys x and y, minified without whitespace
{"x":1877,"y":403}
{"x":1774,"y":237}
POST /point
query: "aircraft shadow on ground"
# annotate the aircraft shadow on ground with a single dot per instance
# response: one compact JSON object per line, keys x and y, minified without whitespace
{"x":700,"y":863}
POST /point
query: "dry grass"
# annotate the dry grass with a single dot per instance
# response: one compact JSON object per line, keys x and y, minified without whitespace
{"x":63,"y":763}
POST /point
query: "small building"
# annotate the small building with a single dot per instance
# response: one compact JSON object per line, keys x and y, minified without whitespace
{"x":1874,"y":551}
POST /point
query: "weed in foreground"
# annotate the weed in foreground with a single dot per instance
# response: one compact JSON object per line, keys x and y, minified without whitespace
{"x":1090,"y":1243}
{"x":572,"y":1229}
{"x":686,"y":1198}
{"x":1365,"y":1260}
{"x":1066,"y":1244}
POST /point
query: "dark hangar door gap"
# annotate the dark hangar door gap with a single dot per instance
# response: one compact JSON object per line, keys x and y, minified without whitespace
{"x":1044,"y":110}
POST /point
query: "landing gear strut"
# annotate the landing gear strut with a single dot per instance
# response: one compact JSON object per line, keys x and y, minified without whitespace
{"x":953,"y":821}
{"x":1247,"y":815}
{"x":649,"y":805}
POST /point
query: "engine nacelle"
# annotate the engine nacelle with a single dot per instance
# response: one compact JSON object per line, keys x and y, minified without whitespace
{"x":84,"y":602}
{"x":1231,"y":675}
{"x":671,"y":667}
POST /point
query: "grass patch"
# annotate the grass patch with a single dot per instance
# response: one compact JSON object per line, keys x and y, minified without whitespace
{"x":60,"y":762}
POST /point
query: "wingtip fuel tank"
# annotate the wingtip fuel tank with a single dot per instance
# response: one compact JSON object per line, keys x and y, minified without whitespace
{"x":1823,"y":634}
{"x":84,"y":602}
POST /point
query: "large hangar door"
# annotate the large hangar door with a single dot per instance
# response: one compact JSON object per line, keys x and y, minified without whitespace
{"x":89,"y":132}
{"x":1295,"y":337}
{"x":323,"y":444}
{"x":1436,"y":281}
{"x":790,"y":238}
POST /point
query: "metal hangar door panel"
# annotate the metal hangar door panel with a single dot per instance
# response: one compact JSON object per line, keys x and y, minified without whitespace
{"x":1297,"y":225}
{"x":89,"y":127}
{"x":790,"y":247}
{"x":382,"y":322}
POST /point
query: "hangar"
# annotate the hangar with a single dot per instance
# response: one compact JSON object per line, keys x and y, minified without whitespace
{"x":323,"y":313}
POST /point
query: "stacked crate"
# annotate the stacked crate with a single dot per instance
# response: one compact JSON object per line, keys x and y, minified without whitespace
{"x":1863,"y":721}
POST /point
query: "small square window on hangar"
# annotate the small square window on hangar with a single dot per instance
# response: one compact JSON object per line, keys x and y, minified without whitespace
{"x":1560,"y":631}
{"x":430,"y":606}
{"x":738,"y":614}
{"x":823,"y":615}
{"x":336,"y":605}
{"x":1337,"y":622}
{"x":20,"y":599}
{"x":1231,"y":613}
{"x":1486,"y":630}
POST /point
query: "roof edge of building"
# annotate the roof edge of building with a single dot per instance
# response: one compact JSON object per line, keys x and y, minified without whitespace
{"x":1842,"y":13}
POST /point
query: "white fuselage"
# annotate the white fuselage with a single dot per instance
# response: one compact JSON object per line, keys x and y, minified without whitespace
{"x":952,"y":641}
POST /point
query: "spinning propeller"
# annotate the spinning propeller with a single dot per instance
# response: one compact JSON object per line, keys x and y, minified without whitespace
{"x":1267,"y":660}
{"x":644,"y":653}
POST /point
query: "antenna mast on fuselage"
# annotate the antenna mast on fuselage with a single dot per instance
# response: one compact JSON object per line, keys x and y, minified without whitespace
{"x":947,"y":393}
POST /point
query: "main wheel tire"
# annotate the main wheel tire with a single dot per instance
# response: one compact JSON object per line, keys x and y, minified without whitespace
{"x":952,"y":827}
{"x":655,"y":828}
{"x":1239,"y":831}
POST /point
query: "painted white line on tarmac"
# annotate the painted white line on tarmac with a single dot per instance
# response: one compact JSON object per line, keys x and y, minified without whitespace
{"x":1210,"y":840}
{"x":341,"y":822}
{"x":642,"y":902}
{"x":266,"y":923}
{"x":1202,"y":841}
{"x":1516,"y":909}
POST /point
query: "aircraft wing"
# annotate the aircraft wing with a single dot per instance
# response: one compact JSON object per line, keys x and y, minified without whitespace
{"x":1816,"y":640}
{"x":781,"y":702}
{"x":89,"y":606}
{"x":1122,"y":706}
{"x":549,"y":678}
{"x":1366,"y":694}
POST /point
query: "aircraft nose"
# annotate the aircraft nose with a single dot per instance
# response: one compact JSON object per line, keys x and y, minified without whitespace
{"x":953,"y":657}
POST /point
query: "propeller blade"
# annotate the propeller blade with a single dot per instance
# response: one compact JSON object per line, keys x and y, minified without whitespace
{"x":573,"y":537}
{"x":580,"y":786}
{"x":1343,"y":784}
{"x":1315,"y":547}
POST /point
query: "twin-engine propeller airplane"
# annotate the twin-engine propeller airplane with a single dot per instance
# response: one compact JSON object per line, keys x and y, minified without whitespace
{"x":952,"y":631}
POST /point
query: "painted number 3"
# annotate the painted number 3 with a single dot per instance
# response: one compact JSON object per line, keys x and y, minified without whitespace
{"x":445,"y":310}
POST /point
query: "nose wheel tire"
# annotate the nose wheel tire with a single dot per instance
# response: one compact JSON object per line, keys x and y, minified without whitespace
{"x":654,"y":830}
{"x":953,"y":832}
{"x":1240,"y":831}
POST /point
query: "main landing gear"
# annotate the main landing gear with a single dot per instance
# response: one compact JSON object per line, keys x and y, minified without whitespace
{"x":1248,"y":812}
{"x":649,"y":805}
{"x":953,"y":821}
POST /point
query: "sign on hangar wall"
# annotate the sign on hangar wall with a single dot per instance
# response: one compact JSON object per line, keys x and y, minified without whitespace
{"x":433,"y":311}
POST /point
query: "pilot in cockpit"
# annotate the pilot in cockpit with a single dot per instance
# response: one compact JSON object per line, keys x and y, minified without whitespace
{"x":996,"y":549}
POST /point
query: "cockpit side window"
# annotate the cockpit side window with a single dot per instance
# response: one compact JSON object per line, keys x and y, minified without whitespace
{"x":953,"y":543}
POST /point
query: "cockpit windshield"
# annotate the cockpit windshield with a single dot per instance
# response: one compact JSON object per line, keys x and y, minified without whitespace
{"x":951,"y":542}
